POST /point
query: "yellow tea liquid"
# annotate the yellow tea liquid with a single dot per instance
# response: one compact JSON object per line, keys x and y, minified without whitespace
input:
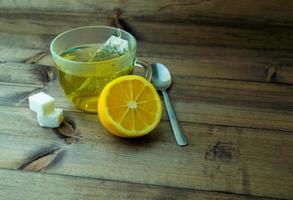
{"x":84,"y":91}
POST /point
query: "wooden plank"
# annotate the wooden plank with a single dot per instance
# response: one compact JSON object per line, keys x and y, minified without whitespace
{"x":234,"y":93}
{"x":17,"y":48}
{"x":21,"y":42}
{"x":213,"y":35}
{"x":25,"y":41}
{"x":26,"y":73}
{"x":269,"y":115}
{"x":265,"y":37}
{"x":227,"y":92}
{"x":243,"y":11}
{"x":211,"y":101}
{"x":27,"y":186}
{"x":238,"y":160}
{"x":224,"y":53}
{"x":218,"y":67}
{"x":203,"y":66}
{"x":274,"y":113}
{"x":14,"y":54}
{"x":207,"y":62}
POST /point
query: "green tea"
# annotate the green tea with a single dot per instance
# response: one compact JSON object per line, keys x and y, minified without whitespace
{"x":84,"y":91}
{"x":91,"y":53}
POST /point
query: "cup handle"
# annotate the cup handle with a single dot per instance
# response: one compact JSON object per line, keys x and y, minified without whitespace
{"x":146,"y":66}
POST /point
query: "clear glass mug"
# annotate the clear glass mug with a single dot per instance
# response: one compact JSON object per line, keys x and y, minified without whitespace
{"x":83,"y":82}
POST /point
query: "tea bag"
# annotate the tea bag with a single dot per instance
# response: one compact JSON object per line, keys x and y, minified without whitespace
{"x":116,"y":44}
{"x":112,"y":48}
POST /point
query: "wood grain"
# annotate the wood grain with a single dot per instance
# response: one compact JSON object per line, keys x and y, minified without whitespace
{"x":229,"y":159}
{"x":219,"y":91}
{"x":231,"y":65}
{"x":211,"y":101}
{"x":277,"y":12}
{"x":206,"y":62}
{"x":25,"y":73}
{"x":213,"y":35}
{"x":260,"y":37}
{"x":27,"y":186}
{"x":21,"y":42}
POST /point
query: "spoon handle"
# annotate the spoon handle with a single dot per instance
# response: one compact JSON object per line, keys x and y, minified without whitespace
{"x":180,"y":138}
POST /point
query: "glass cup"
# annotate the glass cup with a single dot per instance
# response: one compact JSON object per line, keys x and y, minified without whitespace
{"x":83,"y":82}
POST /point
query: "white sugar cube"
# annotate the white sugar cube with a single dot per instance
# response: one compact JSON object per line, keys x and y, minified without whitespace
{"x":41,"y":103}
{"x":51,"y":120}
{"x":119,"y":44}
{"x":44,"y":106}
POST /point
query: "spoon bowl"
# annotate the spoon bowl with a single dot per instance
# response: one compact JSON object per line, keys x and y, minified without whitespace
{"x":161,"y":77}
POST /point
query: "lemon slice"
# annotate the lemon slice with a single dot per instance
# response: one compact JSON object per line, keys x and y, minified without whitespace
{"x":129,"y":106}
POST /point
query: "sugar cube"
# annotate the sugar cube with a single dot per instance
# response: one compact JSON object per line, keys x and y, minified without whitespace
{"x":51,"y":120}
{"x":44,"y":106}
{"x":117,"y":43}
{"x":41,"y":103}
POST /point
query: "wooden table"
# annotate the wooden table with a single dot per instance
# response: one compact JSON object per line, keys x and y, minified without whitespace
{"x":232,"y":93}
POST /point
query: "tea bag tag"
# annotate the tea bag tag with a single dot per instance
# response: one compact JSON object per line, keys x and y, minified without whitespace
{"x":120,"y":45}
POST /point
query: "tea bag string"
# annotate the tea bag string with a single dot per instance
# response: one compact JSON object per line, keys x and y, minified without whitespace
{"x":119,"y":33}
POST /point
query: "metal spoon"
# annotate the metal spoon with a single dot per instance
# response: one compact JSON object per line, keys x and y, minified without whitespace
{"x":162,"y":80}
